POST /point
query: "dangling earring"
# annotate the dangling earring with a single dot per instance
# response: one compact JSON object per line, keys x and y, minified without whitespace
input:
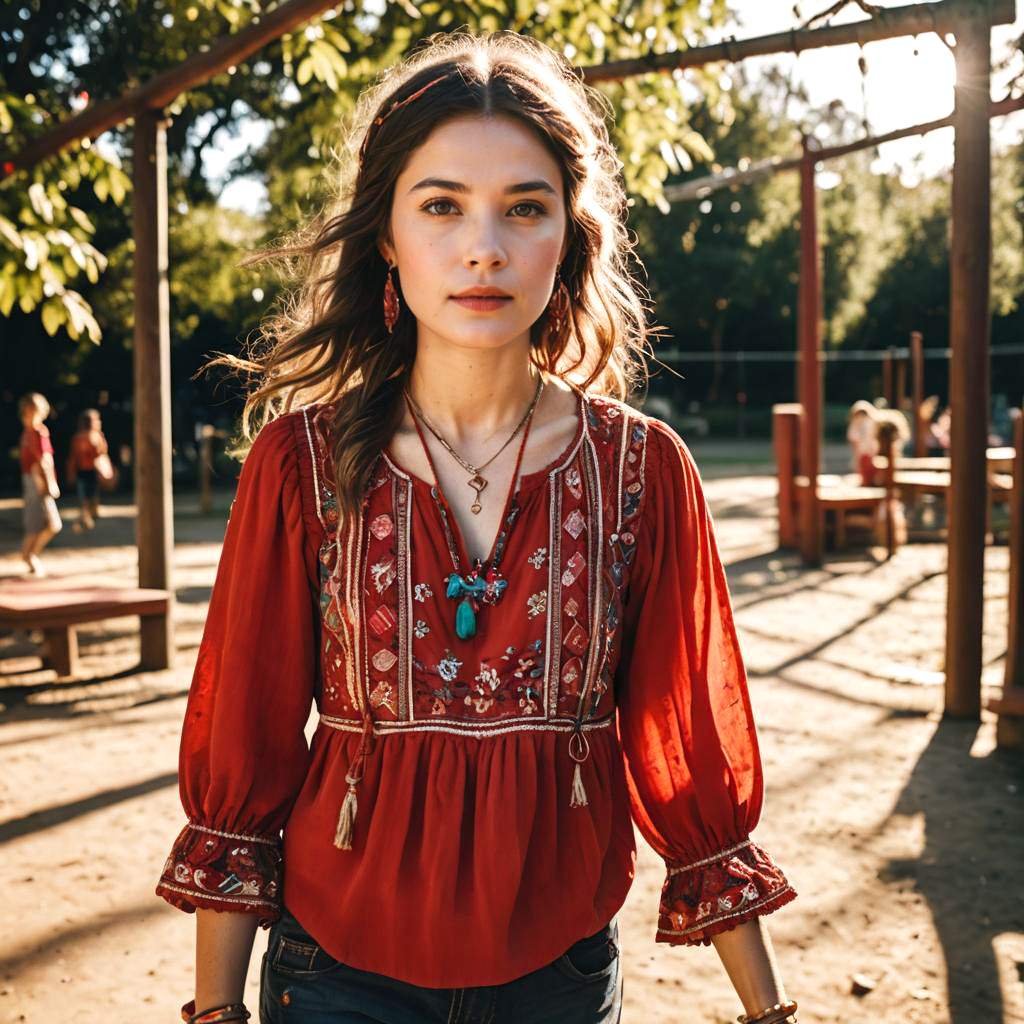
{"x":558,"y":306}
{"x":391,"y":306}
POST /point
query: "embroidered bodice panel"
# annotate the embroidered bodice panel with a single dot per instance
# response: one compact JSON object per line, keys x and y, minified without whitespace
{"x":544,"y":655}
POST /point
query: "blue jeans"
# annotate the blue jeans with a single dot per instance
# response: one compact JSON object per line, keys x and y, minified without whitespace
{"x":300,"y":983}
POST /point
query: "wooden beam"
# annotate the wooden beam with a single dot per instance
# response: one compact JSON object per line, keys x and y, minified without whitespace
{"x":159,"y":91}
{"x":698,"y":188}
{"x":152,"y":380}
{"x":811,"y":369}
{"x":888,"y":23}
{"x":970,"y":325}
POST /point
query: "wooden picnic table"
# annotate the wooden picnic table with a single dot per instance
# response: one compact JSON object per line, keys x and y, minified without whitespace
{"x":56,"y":605}
{"x":998,"y":458}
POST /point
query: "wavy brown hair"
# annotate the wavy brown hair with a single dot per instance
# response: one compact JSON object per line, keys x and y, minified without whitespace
{"x":329,"y":343}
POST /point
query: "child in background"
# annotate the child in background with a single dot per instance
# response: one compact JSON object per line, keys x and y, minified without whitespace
{"x":38,"y":481}
{"x":88,"y":447}
{"x":861,"y":432}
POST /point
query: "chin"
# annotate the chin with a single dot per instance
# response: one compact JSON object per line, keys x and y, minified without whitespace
{"x":482,"y":338}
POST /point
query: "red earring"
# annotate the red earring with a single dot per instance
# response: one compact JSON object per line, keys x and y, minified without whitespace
{"x":391,"y":307}
{"x":558,"y":306}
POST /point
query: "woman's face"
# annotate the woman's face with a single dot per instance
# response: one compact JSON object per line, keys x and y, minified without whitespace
{"x":479,"y":204}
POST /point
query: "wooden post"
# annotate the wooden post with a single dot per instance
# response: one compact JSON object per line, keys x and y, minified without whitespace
{"x":886,"y":435}
{"x":917,"y":393}
{"x":900,"y":394}
{"x":970,"y":259}
{"x":152,"y":379}
{"x":811,"y":538}
{"x":786,"y":438}
{"x":1010,"y":706}
{"x":887,"y":388}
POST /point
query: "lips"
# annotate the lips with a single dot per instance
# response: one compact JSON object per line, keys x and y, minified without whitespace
{"x":482,"y":303}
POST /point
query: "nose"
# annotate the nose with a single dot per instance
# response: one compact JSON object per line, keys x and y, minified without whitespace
{"x":484,"y":248}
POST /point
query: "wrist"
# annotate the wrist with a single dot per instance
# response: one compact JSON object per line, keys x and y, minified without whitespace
{"x":216,"y":1014}
{"x":780,"y":1013}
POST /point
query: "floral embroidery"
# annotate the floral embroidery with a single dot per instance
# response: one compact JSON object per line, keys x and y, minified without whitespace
{"x":382,"y":526}
{"x":573,"y":569}
{"x":448,"y":667}
{"x":481,"y":702}
{"x":531,"y":664}
{"x":572,"y":481}
{"x":528,"y":697}
{"x":381,"y":697}
{"x":421,"y":629}
{"x":442,"y":698}
{"x":575,"y":523}
{"x":537,"y":603}
{"x":720,"y":892}
{"x":384,"y":660}
{"x":207,"y":868}
{"x":421,"y":591}
{"x":488,"y":676}
{"x":538,"y":557}
{"x":383,"y":574}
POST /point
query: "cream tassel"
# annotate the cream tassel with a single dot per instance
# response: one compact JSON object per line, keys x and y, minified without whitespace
{"x":579,"y":794}
{"x":346,"y":819}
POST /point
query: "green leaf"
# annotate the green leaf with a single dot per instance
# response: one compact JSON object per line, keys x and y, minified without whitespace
{"x":53,"y":317}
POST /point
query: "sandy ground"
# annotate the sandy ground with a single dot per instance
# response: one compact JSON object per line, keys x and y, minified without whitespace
{"x":903,"y":833}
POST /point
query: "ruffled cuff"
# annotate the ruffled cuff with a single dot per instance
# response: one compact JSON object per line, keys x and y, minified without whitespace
{"x":717,"y":893}
{"x":220,"y":870}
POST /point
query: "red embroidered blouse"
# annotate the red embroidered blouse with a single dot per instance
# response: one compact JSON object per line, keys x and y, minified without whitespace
{"x":479,"y":850}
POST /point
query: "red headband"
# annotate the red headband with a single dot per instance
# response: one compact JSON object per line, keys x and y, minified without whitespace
{"x":381,"y":118}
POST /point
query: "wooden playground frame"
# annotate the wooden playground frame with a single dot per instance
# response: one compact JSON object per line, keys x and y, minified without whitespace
{"x":970,"y":21}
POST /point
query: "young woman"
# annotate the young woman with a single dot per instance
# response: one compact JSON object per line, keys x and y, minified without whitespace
{"x":88,"y":449}
{"x":497,"y":581}
{"x":39,"y":490}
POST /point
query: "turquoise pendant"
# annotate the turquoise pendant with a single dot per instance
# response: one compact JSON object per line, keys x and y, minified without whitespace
{"x":465,"y":619}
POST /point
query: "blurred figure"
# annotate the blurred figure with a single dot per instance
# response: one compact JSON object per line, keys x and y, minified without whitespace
{"x":38,"y":481}
{"x":940,"y":430}
{"x":88,"y":462}
{"x":861,"y":432}
{"x":899,"y":428}
{"x":926,"y":416}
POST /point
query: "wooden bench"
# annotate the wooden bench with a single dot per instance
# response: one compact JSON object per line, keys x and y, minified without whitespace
{"x":56,"y":606}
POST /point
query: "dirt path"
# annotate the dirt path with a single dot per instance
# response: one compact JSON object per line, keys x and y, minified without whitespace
{"x":903,"y":834}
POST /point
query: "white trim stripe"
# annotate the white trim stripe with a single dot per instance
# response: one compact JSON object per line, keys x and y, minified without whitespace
{"x":251,"y":901}
{"x":234,"y":835}
{"x":471,"y":729}
{"x":316,"y":474}
{"x":711,"y":859}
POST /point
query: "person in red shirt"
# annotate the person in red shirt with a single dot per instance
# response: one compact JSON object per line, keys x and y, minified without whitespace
{"x":40,"y":519}
{"x":495,"y":581}
{"x":88,"y":448}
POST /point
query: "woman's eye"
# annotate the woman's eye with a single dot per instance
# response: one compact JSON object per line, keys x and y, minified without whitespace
{"x":436,"y":202}
{"x":431,"y":208}
{"x":533,"y":207}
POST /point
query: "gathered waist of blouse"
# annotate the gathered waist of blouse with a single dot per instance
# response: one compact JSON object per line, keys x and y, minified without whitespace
{"x":474,"y":730}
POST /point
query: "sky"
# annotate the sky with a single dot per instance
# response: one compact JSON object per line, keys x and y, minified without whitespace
{"x":900,"y":89}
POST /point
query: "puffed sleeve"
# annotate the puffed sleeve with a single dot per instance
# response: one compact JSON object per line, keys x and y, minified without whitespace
{"x":243,"y":754}
{"x":685,"y":721}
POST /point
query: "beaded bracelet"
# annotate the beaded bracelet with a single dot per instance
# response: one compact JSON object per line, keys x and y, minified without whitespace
{"x":215,"y":1015}
{"x":771,"y":1015}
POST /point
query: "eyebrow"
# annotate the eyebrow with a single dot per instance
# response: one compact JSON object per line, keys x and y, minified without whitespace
{"x":540,"y":185}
